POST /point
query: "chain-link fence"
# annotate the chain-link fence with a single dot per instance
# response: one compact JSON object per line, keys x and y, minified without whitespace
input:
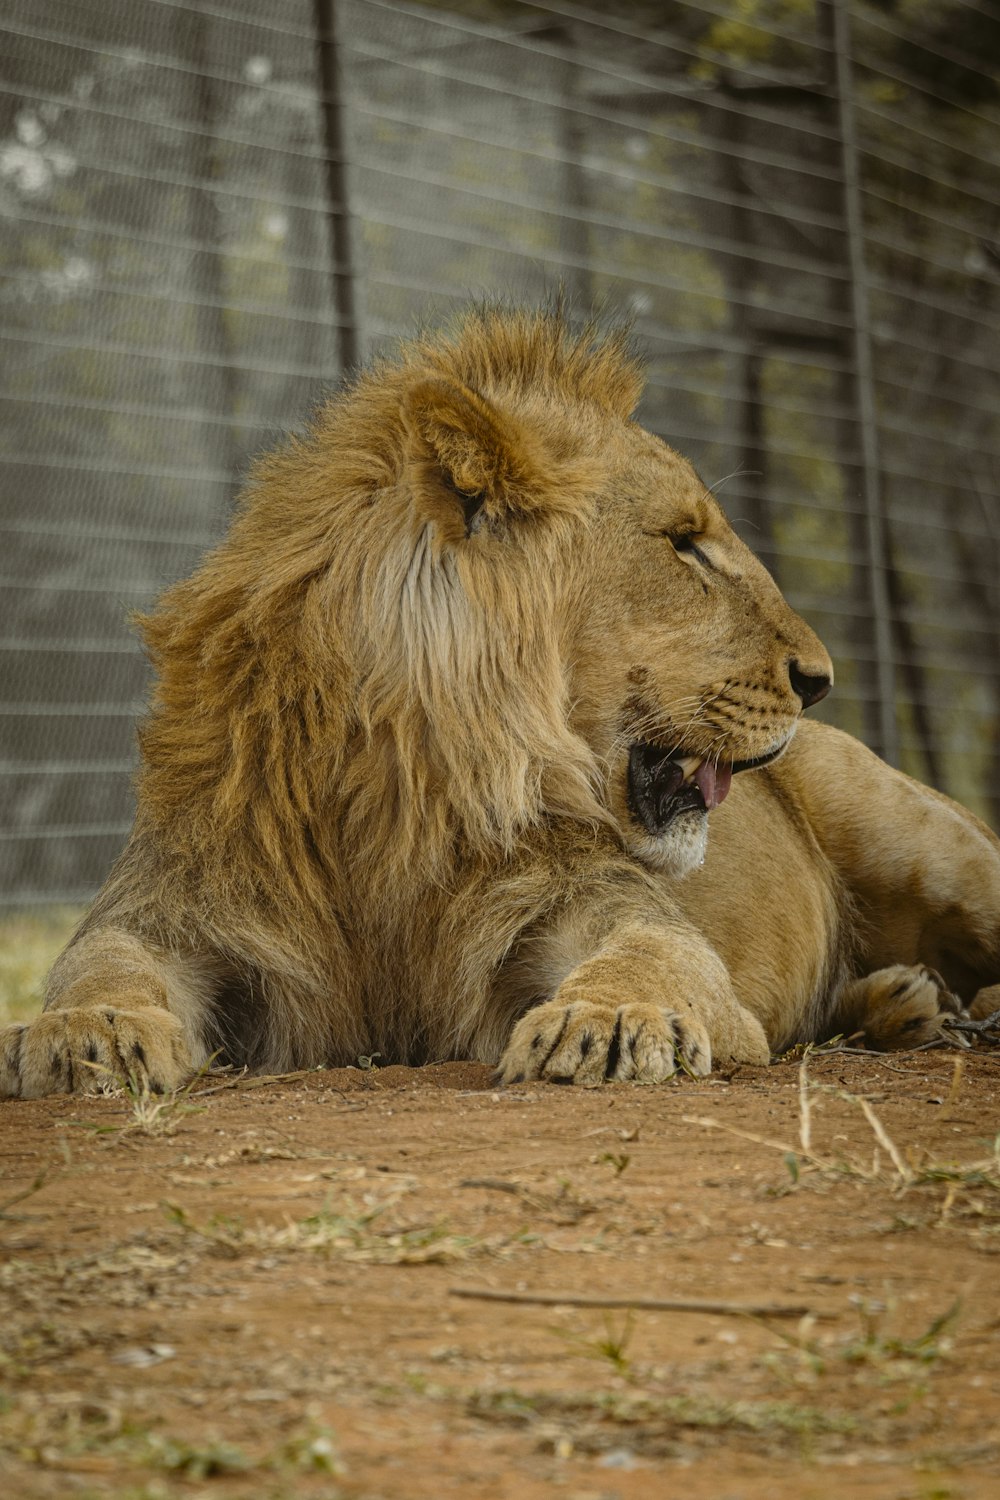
{"x":210,"y":208}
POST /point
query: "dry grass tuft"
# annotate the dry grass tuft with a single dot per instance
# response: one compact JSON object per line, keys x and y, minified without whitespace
{"x":970,"y":1187}
{"x":352,"y":1231}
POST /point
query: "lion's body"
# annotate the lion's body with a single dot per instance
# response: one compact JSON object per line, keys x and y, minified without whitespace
{"x":429,"y":763}
{"x":828,"y":870}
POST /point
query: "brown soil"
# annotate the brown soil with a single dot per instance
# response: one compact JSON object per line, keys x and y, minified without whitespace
{"x":253,"y":1292}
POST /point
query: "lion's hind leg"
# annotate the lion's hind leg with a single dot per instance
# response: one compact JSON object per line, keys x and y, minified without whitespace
{"x":986,"y":1004}
{"x":898,"y":1007}
{"x":117,"y":1011}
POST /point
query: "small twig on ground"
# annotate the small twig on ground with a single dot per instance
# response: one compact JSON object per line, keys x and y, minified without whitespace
{"x":875,"y":1057}
{"x":244,"y":1079}
{"x":639,"y":1304}
{"x":885,"y":1141}
{"x":493,"y":1184}
{"x":28,"y":1192}
{"x":805,"y":1111}
{"x":784,"y":1147}
{"x":986,"y":1030}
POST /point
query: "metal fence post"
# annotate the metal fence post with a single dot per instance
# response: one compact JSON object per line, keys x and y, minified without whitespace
{"x":338,"y":208}
{"x":865,"y":386}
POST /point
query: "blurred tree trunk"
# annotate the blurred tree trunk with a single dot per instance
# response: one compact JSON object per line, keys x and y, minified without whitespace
{"x":979,"y":560}
{"x":747,"y":405}
{"x":333,"y":137}
{"x":860,"y":448}
{"x":573,"y":141}
{"x":208,"y":269}
{"x":911,"y":663}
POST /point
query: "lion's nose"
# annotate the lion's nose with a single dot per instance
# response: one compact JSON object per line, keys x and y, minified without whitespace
{"x":808,"y":686}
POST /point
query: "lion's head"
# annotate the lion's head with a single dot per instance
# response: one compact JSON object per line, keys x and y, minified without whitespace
{"x":686,"y":663}
{"x":477,"y":595}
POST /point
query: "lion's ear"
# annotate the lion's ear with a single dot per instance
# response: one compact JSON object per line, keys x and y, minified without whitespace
{"x":468,"y":453}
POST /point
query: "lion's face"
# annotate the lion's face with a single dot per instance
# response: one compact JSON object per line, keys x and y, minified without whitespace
{"x":686,"y":664}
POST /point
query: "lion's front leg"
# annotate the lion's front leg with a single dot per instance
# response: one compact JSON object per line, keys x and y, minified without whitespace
{"x":649,"y":1001}
{"x":89,"y":1049}
{"x":117,"y":1011}
{"x":588,"y":1043}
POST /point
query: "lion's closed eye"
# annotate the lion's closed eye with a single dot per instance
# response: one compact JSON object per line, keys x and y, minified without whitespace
{"x":684,"y":543}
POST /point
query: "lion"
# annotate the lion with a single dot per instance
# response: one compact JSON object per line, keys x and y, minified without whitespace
{"x":437,"y":737}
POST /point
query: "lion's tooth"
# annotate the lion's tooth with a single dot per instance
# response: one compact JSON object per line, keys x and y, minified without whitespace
{"x":689,"y":765}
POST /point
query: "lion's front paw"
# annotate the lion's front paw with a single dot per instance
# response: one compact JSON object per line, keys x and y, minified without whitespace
{"x":90,"y":1049}
{"x":906,"y":1006}
{"x":586,"y":1043}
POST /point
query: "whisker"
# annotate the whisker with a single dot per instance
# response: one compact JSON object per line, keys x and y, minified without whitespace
{"x":667,"y":728}
{"x":739,"y":473}
{"x":658,"y":722}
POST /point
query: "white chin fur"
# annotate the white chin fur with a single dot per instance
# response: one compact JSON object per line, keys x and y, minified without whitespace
{"x":676,"y":852}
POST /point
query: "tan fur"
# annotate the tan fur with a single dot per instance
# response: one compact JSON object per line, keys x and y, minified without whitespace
{"x":384,"y":801}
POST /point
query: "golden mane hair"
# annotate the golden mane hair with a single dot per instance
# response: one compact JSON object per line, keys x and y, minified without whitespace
{"x":335,"y":673}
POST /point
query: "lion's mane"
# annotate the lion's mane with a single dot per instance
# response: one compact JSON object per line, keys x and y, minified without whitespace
{"x":346,"y":706}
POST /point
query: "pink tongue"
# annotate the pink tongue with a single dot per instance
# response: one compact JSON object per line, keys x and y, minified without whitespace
{"x":713,"y":782}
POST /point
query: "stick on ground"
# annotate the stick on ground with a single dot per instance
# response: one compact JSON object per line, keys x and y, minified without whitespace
{"x":639,"y":1304}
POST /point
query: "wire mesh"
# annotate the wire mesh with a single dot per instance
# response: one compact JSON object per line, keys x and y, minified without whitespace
{"x":212,"y":209}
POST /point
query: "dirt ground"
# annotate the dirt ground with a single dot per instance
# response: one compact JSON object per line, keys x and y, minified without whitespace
{"x":270,"y":1288}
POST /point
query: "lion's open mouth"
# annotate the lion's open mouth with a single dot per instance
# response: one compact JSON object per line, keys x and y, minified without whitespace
{"x":663,"y":784}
